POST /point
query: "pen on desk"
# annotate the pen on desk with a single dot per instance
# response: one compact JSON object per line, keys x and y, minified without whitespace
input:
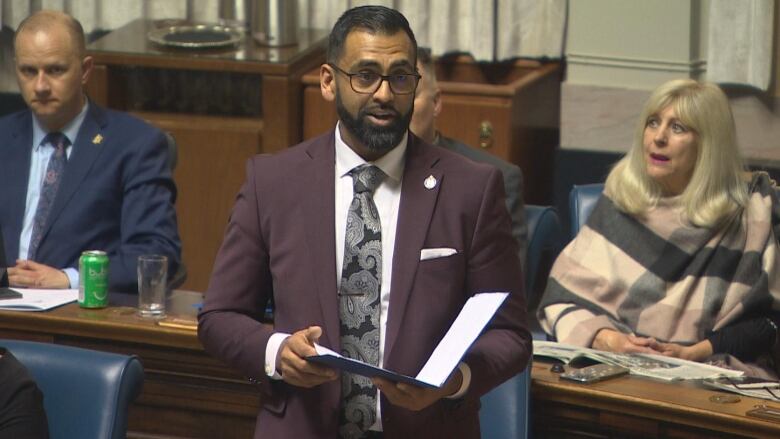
{"x":179,"y":324}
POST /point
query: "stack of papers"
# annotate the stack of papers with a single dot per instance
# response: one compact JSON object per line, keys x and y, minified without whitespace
{"x":655,"y":366}
{"x":39,"y":299}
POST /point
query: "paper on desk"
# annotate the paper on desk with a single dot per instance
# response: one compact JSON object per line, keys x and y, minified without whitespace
{"x":655,"y":366}
{"x":476,"y":313}
{"x":39,"y":299}
{"x":767,"y":390}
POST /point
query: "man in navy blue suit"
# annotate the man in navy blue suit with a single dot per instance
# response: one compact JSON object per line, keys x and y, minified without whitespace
{"x":75,"y":176}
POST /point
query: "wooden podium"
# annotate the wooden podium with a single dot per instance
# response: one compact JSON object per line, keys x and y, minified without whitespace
{"x":222,"y":107}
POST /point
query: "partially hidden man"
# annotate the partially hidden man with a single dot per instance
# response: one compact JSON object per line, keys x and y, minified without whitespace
{"x":75,"y":176}
{"x":369,"y":241}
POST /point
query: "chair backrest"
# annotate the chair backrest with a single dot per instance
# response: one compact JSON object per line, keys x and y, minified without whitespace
{"x":505,"y":409}
{"x":545,"y":238}
{"x":86,"y":393}
{"x":504,"y":412}
{"x":582,"y":200}
{"x":173,"y":153}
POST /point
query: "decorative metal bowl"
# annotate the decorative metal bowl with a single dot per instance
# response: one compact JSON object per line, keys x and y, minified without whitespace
{"x":196,"y":36}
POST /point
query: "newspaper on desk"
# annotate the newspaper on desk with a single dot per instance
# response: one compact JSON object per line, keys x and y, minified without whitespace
{"x":763,"y":390}
{"x":655,"y":366}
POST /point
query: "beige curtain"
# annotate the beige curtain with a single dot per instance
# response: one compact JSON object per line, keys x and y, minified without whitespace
{"x":739,"y":47}
{"x":740,"y":32}
{"x":489,"y":29}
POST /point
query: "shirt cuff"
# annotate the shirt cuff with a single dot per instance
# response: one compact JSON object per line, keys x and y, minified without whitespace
{"x":73,"y":276}
{"x":271,"y":352}
{"x":465,"y":371}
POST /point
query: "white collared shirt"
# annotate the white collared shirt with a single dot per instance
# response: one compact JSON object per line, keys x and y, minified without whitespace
{"x":38,"y":164}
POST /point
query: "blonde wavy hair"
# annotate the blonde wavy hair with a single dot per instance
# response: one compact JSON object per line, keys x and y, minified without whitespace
{"x":717,"y":188}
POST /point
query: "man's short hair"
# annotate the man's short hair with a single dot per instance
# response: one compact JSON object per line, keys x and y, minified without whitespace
{"x":373,"y":19}
{"x":425,"y":58}
{"x":42,"y":20}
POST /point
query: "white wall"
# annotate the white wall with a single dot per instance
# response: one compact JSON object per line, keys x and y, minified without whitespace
{"x":635,"y":44}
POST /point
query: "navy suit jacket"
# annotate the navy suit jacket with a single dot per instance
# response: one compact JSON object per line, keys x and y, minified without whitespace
{"x":117,"y":195}
{"x":280,"y":242}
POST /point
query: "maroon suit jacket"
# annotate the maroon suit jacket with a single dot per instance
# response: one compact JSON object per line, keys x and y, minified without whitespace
{"x":280,"y":241}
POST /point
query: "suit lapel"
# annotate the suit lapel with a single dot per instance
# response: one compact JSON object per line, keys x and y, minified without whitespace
{"x":85,"y":151}
{"x":414,"y":217}
{"x":15,"y":171}
{"x":318,"y":200}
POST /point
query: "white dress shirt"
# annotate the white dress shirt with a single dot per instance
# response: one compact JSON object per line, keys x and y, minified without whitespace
{"x":38,"y":164}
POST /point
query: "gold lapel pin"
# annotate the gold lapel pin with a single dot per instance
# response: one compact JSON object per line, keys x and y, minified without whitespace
{"x":430,"y":182}
{"x":98,"y":139}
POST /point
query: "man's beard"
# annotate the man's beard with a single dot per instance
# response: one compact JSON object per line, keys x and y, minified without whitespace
{"x":375,"y":138}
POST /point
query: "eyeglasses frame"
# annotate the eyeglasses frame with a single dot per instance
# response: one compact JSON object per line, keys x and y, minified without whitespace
{"x":382,"y":79}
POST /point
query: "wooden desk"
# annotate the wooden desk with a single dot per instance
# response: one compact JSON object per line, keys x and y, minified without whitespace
{"x":186,"y":393}
{"x":222,"y":106}
{"x":635,"y":407}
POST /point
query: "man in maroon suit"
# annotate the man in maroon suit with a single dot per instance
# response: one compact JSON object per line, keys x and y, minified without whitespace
{"x":369,"y":241}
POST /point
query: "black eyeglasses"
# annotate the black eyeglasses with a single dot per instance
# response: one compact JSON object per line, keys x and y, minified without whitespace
{"x":757,"y":385}
{"x":369,"y":82}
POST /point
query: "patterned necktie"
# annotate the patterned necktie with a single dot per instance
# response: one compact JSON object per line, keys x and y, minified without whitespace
{"x":51,"y":183}
{"x":359,"y":307}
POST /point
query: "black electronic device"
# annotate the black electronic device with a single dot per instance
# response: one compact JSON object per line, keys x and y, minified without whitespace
{"x":7,"y":293}
{"x":592,"y":374}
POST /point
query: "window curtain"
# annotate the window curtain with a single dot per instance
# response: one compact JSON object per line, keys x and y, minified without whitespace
{"x":740,"y":32}
{"x":488,"y":29}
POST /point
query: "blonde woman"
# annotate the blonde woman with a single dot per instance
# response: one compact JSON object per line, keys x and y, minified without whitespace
{"x":680,"y":254}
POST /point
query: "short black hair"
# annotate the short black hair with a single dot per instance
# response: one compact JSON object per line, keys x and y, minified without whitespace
{"x":374,"y":19}
{"x":425,"y":58}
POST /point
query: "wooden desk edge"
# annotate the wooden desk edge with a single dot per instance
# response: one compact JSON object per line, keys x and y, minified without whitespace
{"x":133,"y":332}
{"x":544,"y":387}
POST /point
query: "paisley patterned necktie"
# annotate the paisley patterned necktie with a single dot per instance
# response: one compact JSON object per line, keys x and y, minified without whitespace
{"x":359,"y":307}
{"x":51,"y":183}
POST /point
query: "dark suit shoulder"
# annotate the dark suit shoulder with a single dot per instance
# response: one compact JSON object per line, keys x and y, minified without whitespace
{"x":455,"y":162}
{"x":290,"y":158}
{"x":478,"y":155}
{"x":15,"y":116}
{"x":14,"y":122}
{"x":122,"y":120}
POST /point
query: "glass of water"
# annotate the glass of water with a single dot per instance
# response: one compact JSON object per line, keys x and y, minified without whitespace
{"x":152,"y":282}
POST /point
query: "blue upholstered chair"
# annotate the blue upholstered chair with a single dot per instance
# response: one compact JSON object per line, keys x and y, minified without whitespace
{"x":582,"y":200}
{"x":86,"y":393}
{"x":545,"y":239}
{"x":504,"y":412}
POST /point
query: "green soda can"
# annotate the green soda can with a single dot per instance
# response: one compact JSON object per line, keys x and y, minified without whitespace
{"x":93,"y":279}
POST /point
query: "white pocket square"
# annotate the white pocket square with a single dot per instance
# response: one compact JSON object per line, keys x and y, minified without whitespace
{"x":433,"y":253}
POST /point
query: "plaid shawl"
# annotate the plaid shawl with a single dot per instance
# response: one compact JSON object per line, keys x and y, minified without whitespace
{"x":662,"y":277}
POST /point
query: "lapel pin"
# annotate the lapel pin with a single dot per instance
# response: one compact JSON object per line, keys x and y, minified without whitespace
{"x":430,"y":182}
{"x":97,"y":140}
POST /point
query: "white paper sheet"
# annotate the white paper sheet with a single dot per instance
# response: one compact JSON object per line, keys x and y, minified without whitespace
{"x":39,"y":299}
{"x":476,"y":313}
